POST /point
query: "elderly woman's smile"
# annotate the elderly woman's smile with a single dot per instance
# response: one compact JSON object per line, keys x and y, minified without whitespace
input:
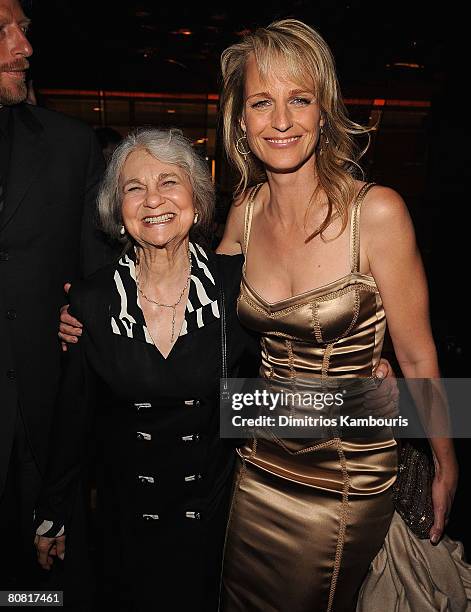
{"x":164,"y":218}
{"x":157,"y":204}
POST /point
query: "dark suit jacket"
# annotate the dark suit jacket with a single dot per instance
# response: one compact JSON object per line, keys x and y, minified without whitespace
{"x":48,"y":236}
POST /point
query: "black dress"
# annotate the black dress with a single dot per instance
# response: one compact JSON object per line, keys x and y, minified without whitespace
{"x":166,"y":475}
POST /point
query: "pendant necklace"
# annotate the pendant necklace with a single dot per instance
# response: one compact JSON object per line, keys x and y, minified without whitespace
{"x":172,"y":306}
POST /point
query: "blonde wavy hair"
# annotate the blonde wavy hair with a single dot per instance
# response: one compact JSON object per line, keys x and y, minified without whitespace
{"x":307,"y":59}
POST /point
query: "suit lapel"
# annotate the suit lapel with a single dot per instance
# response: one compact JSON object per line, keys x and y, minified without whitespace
{"x":27,"y":155}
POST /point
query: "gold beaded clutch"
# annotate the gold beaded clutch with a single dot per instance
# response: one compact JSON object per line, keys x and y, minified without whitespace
{"x":412,"y":491}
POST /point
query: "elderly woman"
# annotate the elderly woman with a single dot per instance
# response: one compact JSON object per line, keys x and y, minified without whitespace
{"x":152,"y":343}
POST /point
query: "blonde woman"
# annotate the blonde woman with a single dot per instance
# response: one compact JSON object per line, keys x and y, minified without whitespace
{"x":319,"y":282}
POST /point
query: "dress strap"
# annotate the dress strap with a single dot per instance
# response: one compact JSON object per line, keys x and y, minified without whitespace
{"x":248,"y":218}
{"x":355,"y":227}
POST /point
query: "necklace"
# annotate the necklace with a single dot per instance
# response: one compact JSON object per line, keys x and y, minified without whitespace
{"x":172,"y":306}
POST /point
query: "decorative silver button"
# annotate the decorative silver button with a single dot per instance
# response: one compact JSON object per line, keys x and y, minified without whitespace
{"x":192,"y":515}
{"x":193,"y":477}
{"x":191,"y":438}
{"x":140,"y":406}
{"x":146,"y":479}
{"x":142,"y":435}
{"x":150,"y":517}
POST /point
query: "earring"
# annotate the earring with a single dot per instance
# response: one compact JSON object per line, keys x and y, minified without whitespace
{"x":323,"y":146}
{"x":195,"y":220}
{"x":122,"y":231}
{"x":239,"y":147}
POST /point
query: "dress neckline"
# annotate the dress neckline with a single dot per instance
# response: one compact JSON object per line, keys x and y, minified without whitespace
{"x":323,"y":289}
{"x":354,"y":251}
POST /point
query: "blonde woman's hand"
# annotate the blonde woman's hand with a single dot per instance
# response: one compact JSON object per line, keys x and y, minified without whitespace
{"x":70,"y":329}
{"x":443,"y":492}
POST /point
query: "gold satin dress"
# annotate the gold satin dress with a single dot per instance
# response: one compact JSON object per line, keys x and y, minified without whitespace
{"x":308,"y":516}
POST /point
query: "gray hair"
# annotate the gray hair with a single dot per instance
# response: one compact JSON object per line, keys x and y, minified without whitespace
{"x":168,"y":146}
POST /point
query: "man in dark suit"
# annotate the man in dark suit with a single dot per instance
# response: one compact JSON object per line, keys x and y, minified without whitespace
{"x":50,"y":167}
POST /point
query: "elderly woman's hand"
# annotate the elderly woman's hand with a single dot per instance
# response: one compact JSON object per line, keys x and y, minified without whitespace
{"x":384,"y":369}
{"x":70,"y":329}
{"x":384,"y":400}
{"x":48,"y":548}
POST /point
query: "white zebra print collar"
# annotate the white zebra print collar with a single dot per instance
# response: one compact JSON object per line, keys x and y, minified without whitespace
{"x":127,"y":318}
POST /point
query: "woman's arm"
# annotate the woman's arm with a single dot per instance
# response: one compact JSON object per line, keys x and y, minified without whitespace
{"x":396,"y":265}
{"x":67,"y":452}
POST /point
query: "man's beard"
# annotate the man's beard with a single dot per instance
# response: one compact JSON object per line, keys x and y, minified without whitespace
{"x":13,"y":95}
{"x":17,"y":92}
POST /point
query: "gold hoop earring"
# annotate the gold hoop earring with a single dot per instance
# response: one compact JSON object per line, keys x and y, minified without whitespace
{"x":323,"y":146}
{"x":240,"y":150}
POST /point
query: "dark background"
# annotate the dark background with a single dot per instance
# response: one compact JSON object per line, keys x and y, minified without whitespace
{"x":395,"y":50}
{"x":129,"y":44}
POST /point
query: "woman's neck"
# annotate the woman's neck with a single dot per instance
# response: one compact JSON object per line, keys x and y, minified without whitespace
{"x":291,"y":193}
{"x":167,"y":264}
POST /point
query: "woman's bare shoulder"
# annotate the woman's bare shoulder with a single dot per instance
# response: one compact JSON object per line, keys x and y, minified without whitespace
{"x":383,"y":206}
{"x":233,"y":237}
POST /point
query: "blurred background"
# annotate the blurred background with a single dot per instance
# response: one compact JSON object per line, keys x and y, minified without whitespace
{"x":402,"y":65}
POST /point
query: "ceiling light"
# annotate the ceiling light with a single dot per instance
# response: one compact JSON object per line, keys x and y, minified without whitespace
{"x":173,"y":61}
{"x":405,"y":65}
{"x":183,"y":32}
